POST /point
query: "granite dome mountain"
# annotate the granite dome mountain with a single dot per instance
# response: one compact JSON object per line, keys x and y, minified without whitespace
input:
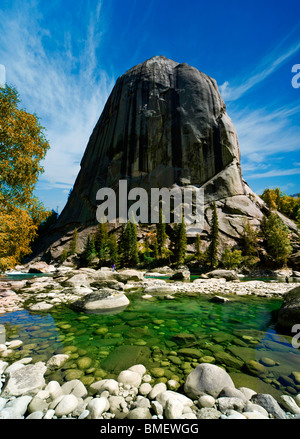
{"x":164,"y":124}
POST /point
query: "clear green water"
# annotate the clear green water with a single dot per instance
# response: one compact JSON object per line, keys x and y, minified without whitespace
{"x":154,"y":333}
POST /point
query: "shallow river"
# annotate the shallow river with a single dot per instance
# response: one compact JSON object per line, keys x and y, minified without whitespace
{"x":170,"y":337}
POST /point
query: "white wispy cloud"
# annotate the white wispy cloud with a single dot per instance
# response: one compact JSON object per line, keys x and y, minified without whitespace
{"x":232,"y":91}
{"x":66,"y":90}
{"x":275,"y":173}
{"x":265,"y":133}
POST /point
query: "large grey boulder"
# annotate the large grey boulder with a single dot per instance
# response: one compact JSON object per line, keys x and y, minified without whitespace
{"x":25,"y":381}
{"x":125,"y":275}
{"x":289,"y":313}
{"x":103,"y":300}
{"x":41,"y":267}
{"x":225,"y":274}
{"x":170,"y":395}
{"x":128,"y":275}
{"x":207,"y":378}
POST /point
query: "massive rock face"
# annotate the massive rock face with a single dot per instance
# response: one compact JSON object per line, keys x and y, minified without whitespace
{"x":164,"y":124}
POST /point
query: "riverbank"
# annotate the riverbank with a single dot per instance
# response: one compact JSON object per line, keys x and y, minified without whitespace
{"x":209,"y":393}
{"x":67,"y":285}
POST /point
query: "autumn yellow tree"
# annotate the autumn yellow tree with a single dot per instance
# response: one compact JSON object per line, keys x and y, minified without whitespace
{"x":22,"y":146}
{"x":277,"y":200}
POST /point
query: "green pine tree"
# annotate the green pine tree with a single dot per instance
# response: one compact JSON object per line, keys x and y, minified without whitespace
{"x":147,"y":249}
{"x":180,"y":242}
{"x":113,"y":250}
{"x":128,"y":247}
{"x":89,"y":252}
{"x":74,"y":243}
{"x":155,"y":249}
{"x":249,"y":244}
{"x":134,"y":253}
{"x":212,"y":250}
{"x":101,"y":242}
{"x":123,"y":245}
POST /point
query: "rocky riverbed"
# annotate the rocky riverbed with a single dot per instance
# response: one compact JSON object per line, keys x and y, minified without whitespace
{"x":67,"y":285}
{"x":209,"y":393}
{"x":177,"y":369}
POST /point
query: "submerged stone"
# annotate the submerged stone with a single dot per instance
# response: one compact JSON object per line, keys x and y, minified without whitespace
{"x":157,"y":372}
{"x":126,"y":356}
{"x":267,"y":361}
{"x":84,"y":362}
{"x":73,"y":374}
{"x":190,"y":352}
{"x":255,"y":368}
{"x":207,"y":359}
{"x":228,"y":360}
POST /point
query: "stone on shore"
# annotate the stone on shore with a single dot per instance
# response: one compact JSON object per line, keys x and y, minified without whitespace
{"x":26,"y":381}
{"x":129,"y":377}
{"x":289,"y":403}
{"x":41,"y":267}
{"x":207,"y":378}
{"x":225,"y":274}
{"x":173,"y":409}
{"x":270,"y":404}
{"x":96,"y":407}
{"x":163,"y":397}
{"x":139,"y":413}
{"x":102,"y":300}
{"x":66,"y":405}
{"x":112,"y":386}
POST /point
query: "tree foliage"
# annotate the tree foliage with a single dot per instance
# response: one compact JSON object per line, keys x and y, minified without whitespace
{"x":212,"y":250}
{"x":113,"y":250}
{"x":102,"y":243}
{"x":277,"y":200}
{"x":128,"y":246}
{"x":231,"y":258}
{"x":276,"y":235}
{"x":249,"y":244}
{"x":89,"y":252}
{"x":74,"y":243}
{"x":22,"y":146}
{"x":180,"y":242}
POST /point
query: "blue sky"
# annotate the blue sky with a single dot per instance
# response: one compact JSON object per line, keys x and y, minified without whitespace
{"x":65,"y":56}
